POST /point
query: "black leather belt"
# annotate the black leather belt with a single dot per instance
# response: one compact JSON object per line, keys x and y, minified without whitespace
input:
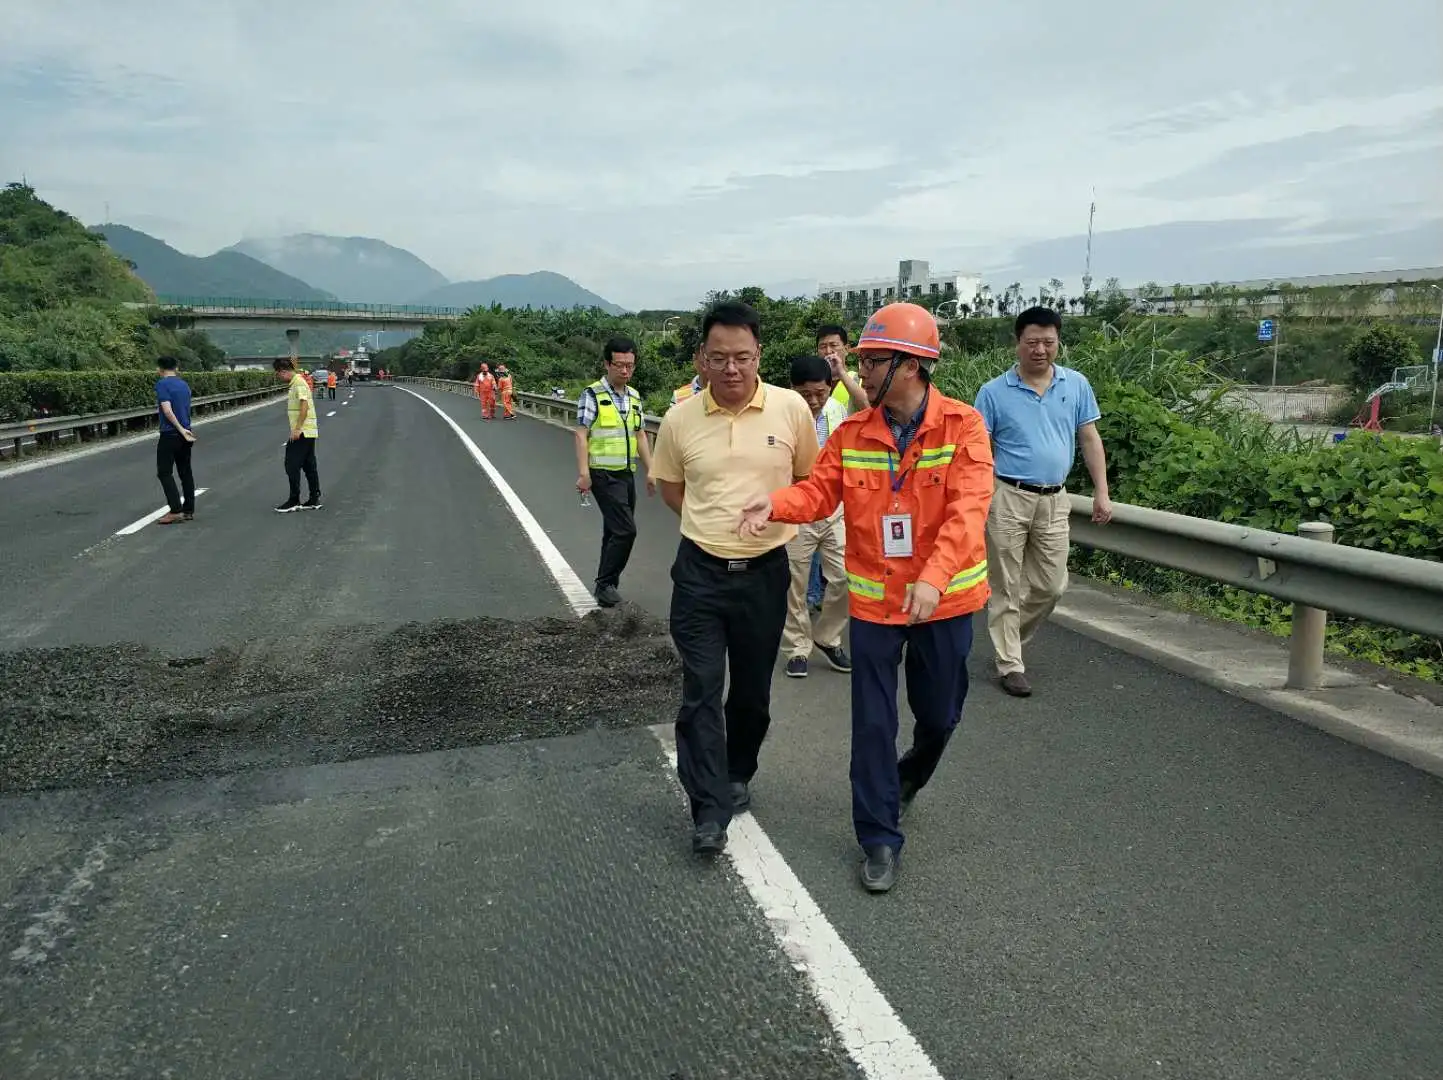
{"x":736,"y":566}
{"x":1036,"y":489}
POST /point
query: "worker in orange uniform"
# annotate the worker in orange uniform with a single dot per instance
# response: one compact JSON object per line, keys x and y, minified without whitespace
{"x":504,"y":385}
{"x":486,"y":392}
{"x":914,"y":476}
{"x":331,"y":385}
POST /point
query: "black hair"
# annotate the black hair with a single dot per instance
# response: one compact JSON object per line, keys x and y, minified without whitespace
{"x":167,"y":362}
{"x":617,"y":343}
{"x":284,"y":362}
{"x":828,"y":329}
{"x":732,"y":313}
{"x":810,"y":368}
{"x":1037,"y":316}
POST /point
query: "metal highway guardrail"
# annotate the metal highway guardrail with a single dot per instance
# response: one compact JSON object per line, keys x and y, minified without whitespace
{"x":20,"y":431}
{"x":1308,"y":570}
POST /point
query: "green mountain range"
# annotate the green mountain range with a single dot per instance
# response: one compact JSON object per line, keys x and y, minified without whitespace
{"x":538,"y":290}
{"x":314,"y":266}
{"x":226,"y":273}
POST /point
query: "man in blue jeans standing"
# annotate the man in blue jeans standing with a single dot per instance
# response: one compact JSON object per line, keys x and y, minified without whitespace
{"x":172,"y":453}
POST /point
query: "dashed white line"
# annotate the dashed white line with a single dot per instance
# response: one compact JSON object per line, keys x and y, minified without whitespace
{"x":154,"y":515}
{"x":567,"y":580}
{"x":332,"y":412}
{"x":43,"y":935}
{"x":865,"y":1022}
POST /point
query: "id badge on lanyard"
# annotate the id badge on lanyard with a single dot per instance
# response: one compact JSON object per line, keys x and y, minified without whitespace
{"x":896,"y":526}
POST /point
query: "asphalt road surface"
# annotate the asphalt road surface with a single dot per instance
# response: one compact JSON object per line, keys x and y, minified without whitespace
{"x":1128,"y":875}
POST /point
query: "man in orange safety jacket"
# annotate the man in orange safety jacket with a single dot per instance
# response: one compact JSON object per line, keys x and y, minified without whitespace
{"x":914,"y":476}
{"x":486,"y":392}
{"x":504,"y":387}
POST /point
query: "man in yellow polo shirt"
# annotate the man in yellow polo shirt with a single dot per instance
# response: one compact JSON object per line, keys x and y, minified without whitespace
{"x":301,"y":446}
{"x":729,"y":592}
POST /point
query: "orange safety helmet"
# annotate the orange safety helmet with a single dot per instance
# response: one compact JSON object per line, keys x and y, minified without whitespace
{"x":904,"y":328}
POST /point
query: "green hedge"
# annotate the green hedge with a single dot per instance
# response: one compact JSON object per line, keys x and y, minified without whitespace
{"x":69,"y":393}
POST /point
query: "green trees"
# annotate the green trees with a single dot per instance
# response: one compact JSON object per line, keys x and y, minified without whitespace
{"x":1376,"y":352}
{"x":61,"y":296}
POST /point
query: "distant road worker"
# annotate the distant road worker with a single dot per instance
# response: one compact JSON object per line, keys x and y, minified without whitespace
{"x":486,"y":392}
{"x":914,"y":476}
{"x":331,"y":385}
{"x":504,"y":388}
{"x":833,"y":347}
{"x":698,"y":382}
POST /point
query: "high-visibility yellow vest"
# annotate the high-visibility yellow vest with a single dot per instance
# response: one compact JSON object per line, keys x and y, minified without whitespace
{"x":611,"y":444}
{"x":841,"y":395}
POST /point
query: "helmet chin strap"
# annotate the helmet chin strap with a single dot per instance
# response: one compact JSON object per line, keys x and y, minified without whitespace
{"x":897,"y":360}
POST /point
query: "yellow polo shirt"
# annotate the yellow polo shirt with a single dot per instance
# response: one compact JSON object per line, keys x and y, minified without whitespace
{"x":726,"y":460}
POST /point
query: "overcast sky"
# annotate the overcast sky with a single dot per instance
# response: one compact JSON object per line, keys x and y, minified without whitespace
{"x":652,"y":150}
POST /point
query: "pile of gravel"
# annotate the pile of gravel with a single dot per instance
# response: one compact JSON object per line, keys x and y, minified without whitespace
{"x":125,"y":714}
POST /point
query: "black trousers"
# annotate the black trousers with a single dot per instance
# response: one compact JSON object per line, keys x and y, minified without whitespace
{"x":301,"y":457}
{"x":616,"y":499}
{"x":726,"y":618}
{"x":172,"y":455}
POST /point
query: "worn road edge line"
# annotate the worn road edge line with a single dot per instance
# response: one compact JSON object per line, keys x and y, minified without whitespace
{"x":127,"y":440}
{"x":567,"y":580}
{"x":1417,"y":750}
{"x":870,"y":1029}
{"x":154,"y":515}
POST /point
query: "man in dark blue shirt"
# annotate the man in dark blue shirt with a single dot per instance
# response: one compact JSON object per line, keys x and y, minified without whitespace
{"x":172,"y":454}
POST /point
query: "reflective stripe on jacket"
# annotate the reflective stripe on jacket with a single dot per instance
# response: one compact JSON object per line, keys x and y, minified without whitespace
{"x":681,"y":393}
{"x":946,"y":485}
{"x":611,"y":442}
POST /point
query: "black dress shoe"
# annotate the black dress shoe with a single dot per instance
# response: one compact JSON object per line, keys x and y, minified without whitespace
{"x":608,"y":596}
{"x":741,"y":796}
{"x":879,"y":868}
{"x":708,"y":838}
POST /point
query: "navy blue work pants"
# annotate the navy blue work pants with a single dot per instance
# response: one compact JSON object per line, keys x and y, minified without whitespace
{"x":936,"y":668}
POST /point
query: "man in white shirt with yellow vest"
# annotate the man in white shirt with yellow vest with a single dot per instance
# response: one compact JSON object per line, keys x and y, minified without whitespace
{"x":610,"y":441}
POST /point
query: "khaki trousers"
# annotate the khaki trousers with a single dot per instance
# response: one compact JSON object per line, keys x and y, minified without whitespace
{"x":829,"y":537}
{"x":1027,"y":540}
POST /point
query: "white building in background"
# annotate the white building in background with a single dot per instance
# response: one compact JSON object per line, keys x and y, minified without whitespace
{"x":913,"y":280}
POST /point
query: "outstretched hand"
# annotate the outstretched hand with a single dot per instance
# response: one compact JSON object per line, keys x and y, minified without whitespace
{"x":755,"y":515}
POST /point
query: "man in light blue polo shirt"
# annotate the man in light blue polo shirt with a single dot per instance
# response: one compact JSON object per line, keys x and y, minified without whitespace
{"x":1037,"y":413}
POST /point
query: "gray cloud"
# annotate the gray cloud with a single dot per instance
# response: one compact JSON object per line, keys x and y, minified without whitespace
{"x":653,"y":151}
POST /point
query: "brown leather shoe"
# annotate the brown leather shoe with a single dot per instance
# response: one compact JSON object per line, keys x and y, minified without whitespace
{"x":170,"y":519}
{"x":1016,"y":684}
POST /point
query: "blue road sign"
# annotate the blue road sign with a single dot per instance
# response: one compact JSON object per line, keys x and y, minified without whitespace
{"x":1265,"y":330}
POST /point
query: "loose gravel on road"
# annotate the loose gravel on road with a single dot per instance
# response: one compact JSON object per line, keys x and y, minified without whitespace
{"x":124,"y":714}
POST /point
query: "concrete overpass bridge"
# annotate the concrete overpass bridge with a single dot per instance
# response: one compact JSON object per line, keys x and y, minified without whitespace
{"x":207,"y":312}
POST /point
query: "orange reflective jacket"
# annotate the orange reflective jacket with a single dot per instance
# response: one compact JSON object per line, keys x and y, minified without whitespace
{"x":944,"y":481}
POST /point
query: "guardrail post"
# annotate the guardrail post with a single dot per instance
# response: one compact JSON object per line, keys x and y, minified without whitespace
{"x":1310,"y":626}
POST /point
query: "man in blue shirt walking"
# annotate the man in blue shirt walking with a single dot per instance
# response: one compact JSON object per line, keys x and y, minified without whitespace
{"x":1037,"y":413}
{"x":172,"y":453}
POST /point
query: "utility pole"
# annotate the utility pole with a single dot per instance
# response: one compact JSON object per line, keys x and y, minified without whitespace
{"x":1437,"y":356}
{"x":1087,"y":269}
{"x":1277,"y":340}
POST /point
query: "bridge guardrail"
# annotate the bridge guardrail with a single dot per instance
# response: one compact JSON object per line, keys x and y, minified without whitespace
{"x":1390,"y":590}
{"x":18,"y":431}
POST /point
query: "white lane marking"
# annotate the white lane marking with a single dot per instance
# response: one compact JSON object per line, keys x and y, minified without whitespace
{"x":43,"y":935}
{"x":346,"y":402}
{"x":567,"y":580}
{"x":60,"y":457}
{"x":331,"y":413}
{"x":154,"y":515}
{"x":870,"y":1029}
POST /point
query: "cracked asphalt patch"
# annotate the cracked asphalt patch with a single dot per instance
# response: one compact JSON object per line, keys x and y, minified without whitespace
{"x":125,"y":714}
